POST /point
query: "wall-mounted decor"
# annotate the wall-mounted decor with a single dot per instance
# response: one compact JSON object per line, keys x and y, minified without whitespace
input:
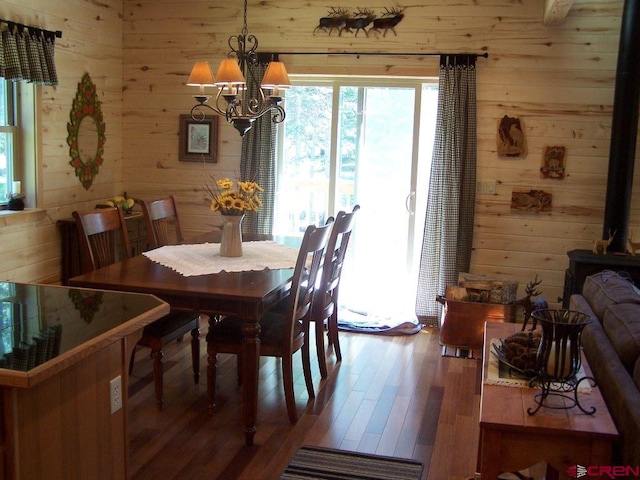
{"x":553,"y":162}
{"x":362,"y":20}
{"x":531,"y":201}
{"x":198,"y":139}
{"x":511,"y":139}
{"x":86,"y":133}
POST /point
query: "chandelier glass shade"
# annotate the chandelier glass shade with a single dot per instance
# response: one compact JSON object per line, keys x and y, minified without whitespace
{"x":232,"y":99}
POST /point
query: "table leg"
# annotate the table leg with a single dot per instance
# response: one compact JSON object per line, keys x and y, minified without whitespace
{"x":489,"y":454}
{"x":250,"y":366}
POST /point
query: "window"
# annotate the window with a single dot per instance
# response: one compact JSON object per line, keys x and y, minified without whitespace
{"x":18,"y":145}
{"x":7,"y":302}
{"x":364,"y":141}
{"x":8,"y":134}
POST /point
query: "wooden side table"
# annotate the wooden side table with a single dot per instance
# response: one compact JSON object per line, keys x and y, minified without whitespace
{"x":512,"y":440}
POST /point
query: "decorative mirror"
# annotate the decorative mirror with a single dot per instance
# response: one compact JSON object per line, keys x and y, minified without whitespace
{"x":86,"y":133}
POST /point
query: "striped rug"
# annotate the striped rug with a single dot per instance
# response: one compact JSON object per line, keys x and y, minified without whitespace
{"x":327,"y":464}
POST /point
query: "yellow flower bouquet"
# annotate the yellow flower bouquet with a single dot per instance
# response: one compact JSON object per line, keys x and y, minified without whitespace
{"x":231,"y":198}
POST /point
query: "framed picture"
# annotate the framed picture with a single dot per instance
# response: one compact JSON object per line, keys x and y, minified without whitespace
{"x":198,"y":139}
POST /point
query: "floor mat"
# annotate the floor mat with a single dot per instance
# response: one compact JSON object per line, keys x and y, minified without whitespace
{"x":328,"y":464}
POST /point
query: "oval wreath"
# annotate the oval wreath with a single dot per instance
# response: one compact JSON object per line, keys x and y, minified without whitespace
{"x":86,"y":104}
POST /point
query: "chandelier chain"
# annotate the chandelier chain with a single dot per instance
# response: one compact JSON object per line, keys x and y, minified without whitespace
{"x":245,"y":30}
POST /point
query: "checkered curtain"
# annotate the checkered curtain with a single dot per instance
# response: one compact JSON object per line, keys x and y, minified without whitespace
{"x":448,"y":231}
{"x":27,"y":55}
{"x":258,"y":161}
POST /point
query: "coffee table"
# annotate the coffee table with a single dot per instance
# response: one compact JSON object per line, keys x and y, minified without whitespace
{"x":512,"y":440}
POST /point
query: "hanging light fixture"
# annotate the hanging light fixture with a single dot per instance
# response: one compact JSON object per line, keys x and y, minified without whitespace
{"x":232,"y":98}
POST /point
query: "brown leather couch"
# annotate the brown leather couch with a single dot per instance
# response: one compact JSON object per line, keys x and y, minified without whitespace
{"x":611,"y":344}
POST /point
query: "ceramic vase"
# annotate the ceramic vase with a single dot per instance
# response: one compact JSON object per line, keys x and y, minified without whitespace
{"x":231,"y":243}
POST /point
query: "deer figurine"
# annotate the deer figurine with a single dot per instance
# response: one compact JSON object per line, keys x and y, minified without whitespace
{"x":603,"y":244}
{"x":360,"y":21}
{"x":528,"y":305}
{"x":633,"y":246}
{"x":335,"y":20}
{"x":388,"y":21}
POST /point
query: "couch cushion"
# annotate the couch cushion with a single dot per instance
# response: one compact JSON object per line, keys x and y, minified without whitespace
{"x":621,"y":323}
{"x":636,"y":373}
{"x":608,"y":288}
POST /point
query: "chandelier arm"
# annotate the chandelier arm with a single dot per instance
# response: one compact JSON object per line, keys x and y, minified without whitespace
{"x":199,"y":111}
{"x":258,"y":106}
{"x":278,"y":113}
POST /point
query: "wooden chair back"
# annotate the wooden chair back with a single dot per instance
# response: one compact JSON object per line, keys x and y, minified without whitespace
{"x":161,"y":221}
{"x":336,"y":251}
{"x":103,"y":237}
{"x":304,"y":280}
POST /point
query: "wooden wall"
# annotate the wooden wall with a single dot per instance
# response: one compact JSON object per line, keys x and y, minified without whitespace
{"x":558,"y":79}
{"x":91,"y":42}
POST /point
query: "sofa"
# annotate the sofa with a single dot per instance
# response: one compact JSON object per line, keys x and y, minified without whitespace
{"x":611,"y":343}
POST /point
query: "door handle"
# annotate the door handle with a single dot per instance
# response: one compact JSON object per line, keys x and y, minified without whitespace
{"x":408,"y":203}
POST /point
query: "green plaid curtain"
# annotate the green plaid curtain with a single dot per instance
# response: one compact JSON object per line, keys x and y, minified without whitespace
{"x":258,"y":161}
{"x":448,"y":231}
{"x":27,"y":54}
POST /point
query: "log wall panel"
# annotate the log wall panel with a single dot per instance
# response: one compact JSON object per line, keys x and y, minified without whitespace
{"x":559,"y":80}
{"x":91,"y":42}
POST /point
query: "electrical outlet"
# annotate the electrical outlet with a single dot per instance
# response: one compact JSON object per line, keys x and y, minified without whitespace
{"x":115,"y":386}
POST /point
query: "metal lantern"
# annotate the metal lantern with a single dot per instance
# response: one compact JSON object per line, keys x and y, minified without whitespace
{"x":559,"y":357}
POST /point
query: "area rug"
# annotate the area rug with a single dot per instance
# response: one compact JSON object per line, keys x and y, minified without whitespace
{"x":328,"y":464}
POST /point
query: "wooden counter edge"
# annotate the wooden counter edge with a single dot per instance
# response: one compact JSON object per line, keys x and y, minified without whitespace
{"x":12,"y":378}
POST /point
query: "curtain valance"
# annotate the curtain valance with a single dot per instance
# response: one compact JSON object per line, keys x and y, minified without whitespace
{"x":27,"y":54}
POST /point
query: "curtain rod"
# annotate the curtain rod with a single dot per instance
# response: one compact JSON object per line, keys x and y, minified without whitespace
{"x":381,"y":54}
{"x":20,"y":26}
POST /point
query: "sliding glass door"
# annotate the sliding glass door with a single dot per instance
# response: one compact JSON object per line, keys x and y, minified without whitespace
{"x":366,"y":142}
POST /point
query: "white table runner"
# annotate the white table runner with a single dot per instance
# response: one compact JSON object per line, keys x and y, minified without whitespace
{"x":204,"y":258}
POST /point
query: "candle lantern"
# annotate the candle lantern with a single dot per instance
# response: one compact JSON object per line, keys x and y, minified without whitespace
{"x":559,"y":358}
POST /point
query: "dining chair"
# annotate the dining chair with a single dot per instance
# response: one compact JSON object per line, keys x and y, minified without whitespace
{"x":162,"y":221}
{"x":103,"y":237}
{"x":325,"y":304}
{"x":162,"y":224}
{"x":103,"y":241}
{"x":282,"y":332}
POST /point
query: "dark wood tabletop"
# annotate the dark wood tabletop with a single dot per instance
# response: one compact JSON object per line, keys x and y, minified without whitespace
{"x":245,"y":294}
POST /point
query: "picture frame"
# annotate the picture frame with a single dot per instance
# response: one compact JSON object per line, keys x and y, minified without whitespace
{"x":198,"y":139}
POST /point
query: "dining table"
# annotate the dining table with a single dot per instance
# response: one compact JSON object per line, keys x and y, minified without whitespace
{"x":247,"y":294}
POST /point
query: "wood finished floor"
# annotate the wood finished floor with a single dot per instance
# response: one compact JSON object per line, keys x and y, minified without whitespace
{"x":390,"y":396}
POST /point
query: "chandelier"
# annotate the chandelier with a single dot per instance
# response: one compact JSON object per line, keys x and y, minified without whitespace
{"x":232,"y":99}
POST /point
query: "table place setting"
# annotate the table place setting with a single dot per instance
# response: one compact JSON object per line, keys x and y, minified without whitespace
{"x":204,"y":258}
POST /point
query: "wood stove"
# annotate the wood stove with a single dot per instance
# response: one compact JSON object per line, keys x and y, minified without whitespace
{"x":624,"y":130}
{"x":583,"y":263}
